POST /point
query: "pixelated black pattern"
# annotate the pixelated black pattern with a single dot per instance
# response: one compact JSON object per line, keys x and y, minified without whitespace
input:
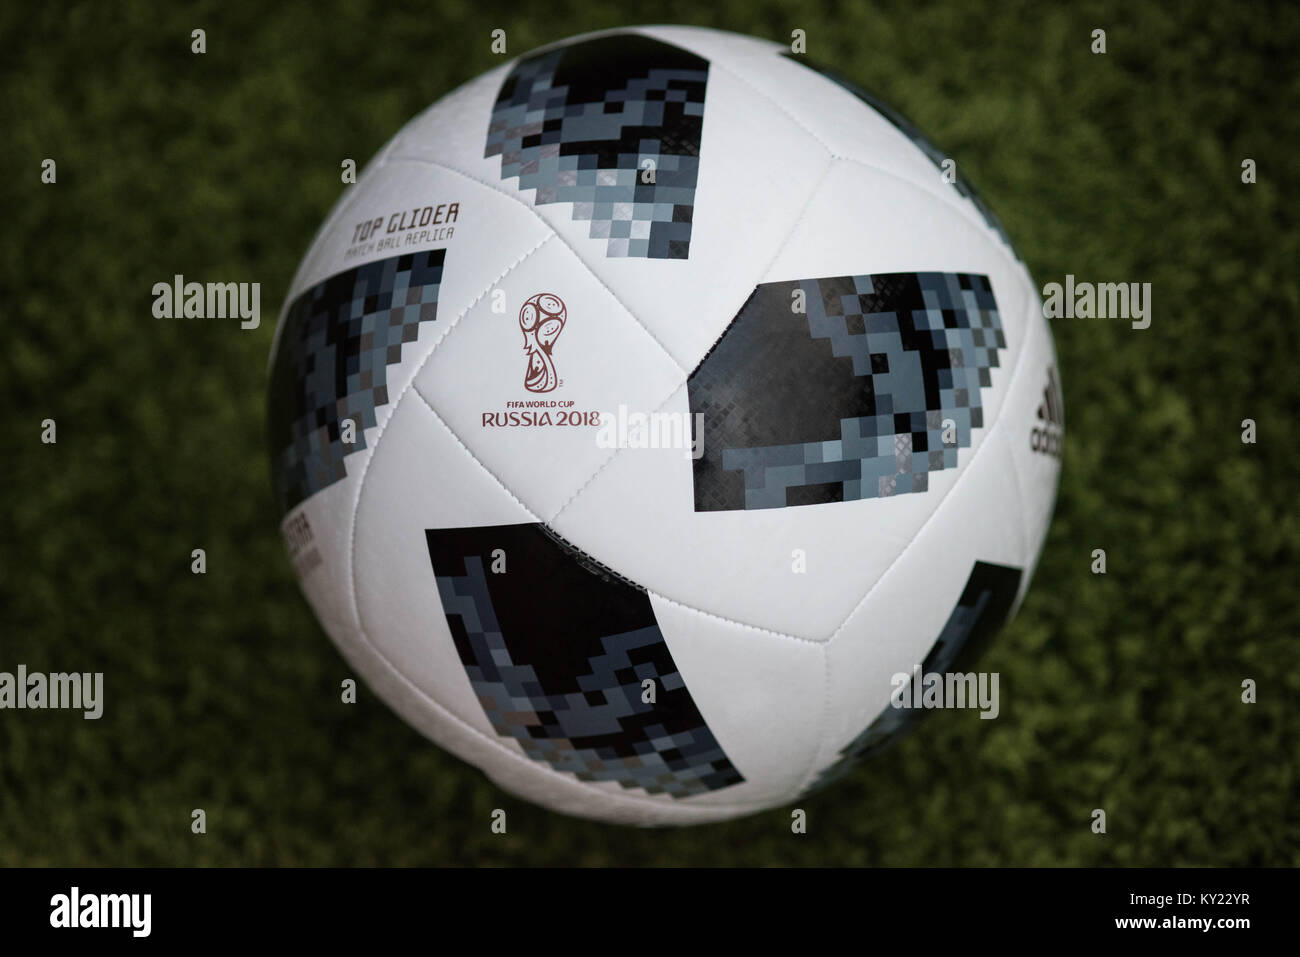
{"x":904,"y":126}
{"x":578,"y":124}
{"x":556,"y":649}
{"x":338,"y":340}
{"x":847,"y":399}
{"x":981,"y":611}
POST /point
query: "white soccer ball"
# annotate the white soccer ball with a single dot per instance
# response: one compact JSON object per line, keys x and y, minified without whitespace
{"x":649,"y":405}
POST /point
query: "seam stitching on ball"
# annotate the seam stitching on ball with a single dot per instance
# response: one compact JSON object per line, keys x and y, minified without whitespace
{"x":803,"y":211}
{"x":383,"y":429}
{"x":823,"y":723}
{"x":946,"y":197}
{"x":778,"y":104}
{"x":474,"y":458}
{"x":731,"y":621}
{"x":586,"y":554}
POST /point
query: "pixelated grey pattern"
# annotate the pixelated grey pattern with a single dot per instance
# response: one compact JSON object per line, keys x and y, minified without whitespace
{"x":921,"y":354}
{"x":339,"y":338}
{"x":608,"y":707}
{"x":593,"y":154}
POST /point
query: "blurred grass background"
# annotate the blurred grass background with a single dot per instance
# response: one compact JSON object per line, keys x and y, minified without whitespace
{"x":1121,"y":691}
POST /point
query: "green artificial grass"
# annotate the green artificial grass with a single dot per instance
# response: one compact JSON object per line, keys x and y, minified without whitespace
{"x":1120,"y":691}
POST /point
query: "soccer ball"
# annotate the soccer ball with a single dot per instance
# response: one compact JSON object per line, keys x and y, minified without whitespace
{"x":653,"y":415}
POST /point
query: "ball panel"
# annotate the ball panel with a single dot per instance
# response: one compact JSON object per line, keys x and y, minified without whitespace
{"x":544,"y":445}
{"x":510,"y":769}
{"x":967,"y":197}
{"x":984,"y":604}
{"x":611,"y":125}
{"x":761,"y":694}
{"x":317,"y":537}
{"x":358,"y":322}
{"x":330,"y":376}
{"x":918,"y":601}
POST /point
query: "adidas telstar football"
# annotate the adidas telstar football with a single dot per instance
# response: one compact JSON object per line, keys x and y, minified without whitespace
{"x":658,"y":424}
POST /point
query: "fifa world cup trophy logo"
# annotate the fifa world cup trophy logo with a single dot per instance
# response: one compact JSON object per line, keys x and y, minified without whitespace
{"x":542,"y":321}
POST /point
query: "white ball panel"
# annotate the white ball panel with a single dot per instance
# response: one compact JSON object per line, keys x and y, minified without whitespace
{"x":760,"y":694}
{"x":603,"y":357}
{"x":486,"y":220}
